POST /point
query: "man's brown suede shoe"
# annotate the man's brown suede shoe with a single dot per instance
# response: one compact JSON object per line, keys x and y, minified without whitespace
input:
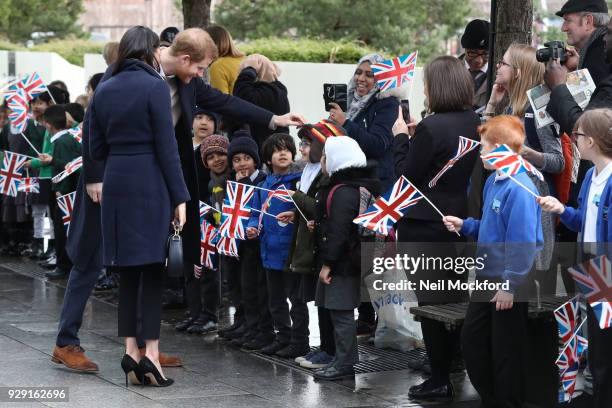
{"x":164,"y":359}
{"x":74,"y":357}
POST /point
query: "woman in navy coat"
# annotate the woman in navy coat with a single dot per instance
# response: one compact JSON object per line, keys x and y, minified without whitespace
{"x":144,"y":192}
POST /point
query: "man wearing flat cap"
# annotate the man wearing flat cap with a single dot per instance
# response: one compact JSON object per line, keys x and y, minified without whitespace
{"x":475,"y":42}
{"x":584,"y":23}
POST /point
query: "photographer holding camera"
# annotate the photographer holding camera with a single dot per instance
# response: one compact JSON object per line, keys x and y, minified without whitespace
{"x":562,"y":106}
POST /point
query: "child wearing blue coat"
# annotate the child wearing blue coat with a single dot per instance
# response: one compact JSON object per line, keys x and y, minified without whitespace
{"x":276,"y":237}
{"x":494,"y":334}
{"x":593,"y":136}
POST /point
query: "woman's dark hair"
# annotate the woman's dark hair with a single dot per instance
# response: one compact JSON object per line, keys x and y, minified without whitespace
{"x":277,"y":141}
{"x":94,"y":81}
{"x":137,"y":43}
{"x":75,"y":110}
{"x":55,"y":116}
{"x":449,"y":85}
{"x":60,"y":96}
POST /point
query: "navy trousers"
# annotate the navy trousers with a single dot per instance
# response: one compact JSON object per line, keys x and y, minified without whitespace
{"x":79,"y":288}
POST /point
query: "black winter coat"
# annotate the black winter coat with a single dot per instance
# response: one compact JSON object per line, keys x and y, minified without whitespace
{"x":337,"y":243}
{"x":595,"y":58}
{"x":268,"y":95}
{"x":420,"y":158}
{"x":564,"y":109}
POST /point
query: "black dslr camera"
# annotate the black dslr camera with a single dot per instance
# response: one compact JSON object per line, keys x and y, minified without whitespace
{"x":552,"y":50}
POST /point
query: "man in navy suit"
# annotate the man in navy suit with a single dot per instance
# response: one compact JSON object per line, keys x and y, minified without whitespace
{"x":183,"y":65}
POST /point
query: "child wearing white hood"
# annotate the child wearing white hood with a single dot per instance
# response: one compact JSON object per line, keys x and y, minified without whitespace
{"x":338,"y":246}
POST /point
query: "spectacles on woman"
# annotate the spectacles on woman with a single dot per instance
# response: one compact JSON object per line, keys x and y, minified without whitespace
{"x":304,"y":143}
{"x":502,"y":63}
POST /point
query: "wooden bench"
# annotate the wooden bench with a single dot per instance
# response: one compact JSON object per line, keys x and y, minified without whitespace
{"x":543,"y":376}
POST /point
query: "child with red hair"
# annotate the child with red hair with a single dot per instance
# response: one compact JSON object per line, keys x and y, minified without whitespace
{"x":494,"y":334}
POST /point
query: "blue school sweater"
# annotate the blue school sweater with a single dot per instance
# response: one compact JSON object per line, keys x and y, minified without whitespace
{"x":510,"y":215}
{"x":275,"y":238}
{"x":574,"y":218}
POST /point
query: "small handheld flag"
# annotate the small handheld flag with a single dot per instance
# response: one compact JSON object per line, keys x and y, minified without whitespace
{"x":505,"y":160}
{"x":395,"y":72}
{"x":390,"y":207}
{"x":465,"y":146}
{"x":10,"y":172}
{"x":29,"y":185}
{"x":235,"y":212}
{"x":209,"y":236}
{"x":70,"y":168}
{"x":66,"y":205}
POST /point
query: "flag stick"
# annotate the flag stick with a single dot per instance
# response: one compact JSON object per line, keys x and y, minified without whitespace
{"x":430,"y":203}
{"x":51,"y":95}
{"x":271,"y":191}
{"x":265,"y":213}
{"x":294,"y":203}
{"x":248,"y":185}
{"x":30,"y":143}
{"x":525,"y":187}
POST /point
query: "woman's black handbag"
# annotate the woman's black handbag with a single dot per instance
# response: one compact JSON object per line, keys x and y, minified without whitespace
{"x":174,"y":262}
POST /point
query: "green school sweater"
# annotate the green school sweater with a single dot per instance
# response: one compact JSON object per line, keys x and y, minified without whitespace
{"x":64,"y":149}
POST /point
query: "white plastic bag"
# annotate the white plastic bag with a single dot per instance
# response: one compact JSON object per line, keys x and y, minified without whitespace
{"x":396,"y":328}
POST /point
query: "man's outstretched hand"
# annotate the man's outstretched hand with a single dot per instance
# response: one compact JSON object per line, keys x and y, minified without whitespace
{"x":289,"y":119}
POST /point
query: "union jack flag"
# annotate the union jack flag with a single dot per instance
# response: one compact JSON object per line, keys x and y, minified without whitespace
{"x":510,"y":163}
{"x":18,"y":115}
{"x":603,"y":313}
{"x":568,"y":379}
{"x":280,"y":193}
{"x":594,"y":280}
{"x":70,"y":168}
{"x":10,"y":172}
{"x":208,"y":245}
{"x":66,"y":204}
{"x":228,"y":246}
{"x":29,"y":185}
{"x":568,"y":356}
{"x":395,"y":72}
{"x":465,"y":146}
{"x":390,"y":207}
{"x":567,"y":316}
{"x":204,"y":209}
{"x":32,"y":85}
{"x":235,"y":211}
{"x":77,"y":133}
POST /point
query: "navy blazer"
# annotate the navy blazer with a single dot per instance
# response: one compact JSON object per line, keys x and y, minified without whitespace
{"x":197,"y":92}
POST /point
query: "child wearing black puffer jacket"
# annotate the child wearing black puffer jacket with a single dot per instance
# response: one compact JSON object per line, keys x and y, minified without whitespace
{"x":338,"y":247}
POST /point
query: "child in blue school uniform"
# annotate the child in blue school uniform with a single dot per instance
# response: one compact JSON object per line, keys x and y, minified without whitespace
{"x":494,"y":334}
{"x":593,"y":136}
{"x":275,"y":237}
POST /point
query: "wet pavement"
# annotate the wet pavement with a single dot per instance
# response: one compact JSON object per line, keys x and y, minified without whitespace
{"x":215,"y":374}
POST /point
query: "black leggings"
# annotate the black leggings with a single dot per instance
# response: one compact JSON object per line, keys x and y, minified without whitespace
{"x":150,"y":279}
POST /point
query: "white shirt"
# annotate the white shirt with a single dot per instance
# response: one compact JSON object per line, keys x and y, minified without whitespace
{"x":483,"y":70}
{"x":598,"y":183}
